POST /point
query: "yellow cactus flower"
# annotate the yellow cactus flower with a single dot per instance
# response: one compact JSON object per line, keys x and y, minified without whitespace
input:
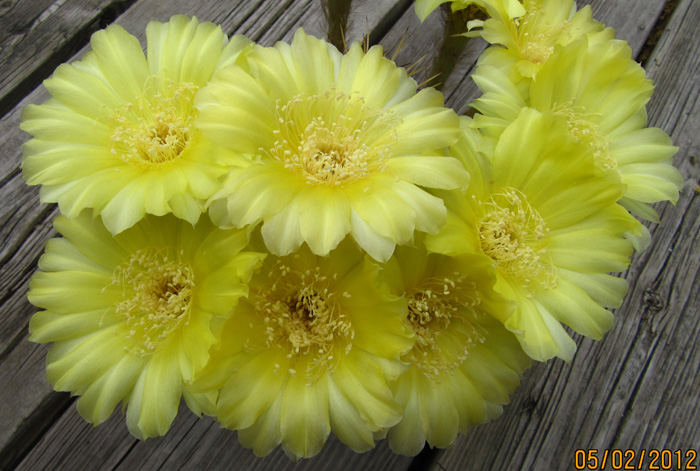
{"x":118,"y":136}
{"x":600,"y":92}
{"x":342,"y":144}
{"x":133,"y":316}
{"x":308,"y":353}
{"x":549,"y":220}
{"x":529,"y":40}
{"x":464,"y":364}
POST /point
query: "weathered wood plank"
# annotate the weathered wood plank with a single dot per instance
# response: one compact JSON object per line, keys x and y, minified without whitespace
{"x":27,"y":403}
{"x":637,"y":388}
{"x":191,"y":443}
{"x":36,"y":36}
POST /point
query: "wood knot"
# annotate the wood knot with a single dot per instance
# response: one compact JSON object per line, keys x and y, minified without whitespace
{"x":652,"y":301}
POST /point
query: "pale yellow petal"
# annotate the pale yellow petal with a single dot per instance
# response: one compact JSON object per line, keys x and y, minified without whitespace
{"x":305,"y":421}
{"x":324,"y":218}
{"x":252,"y":389}
{"x":155,"y":398}
{"x":121,"y":60}
{"x":433,"y":172}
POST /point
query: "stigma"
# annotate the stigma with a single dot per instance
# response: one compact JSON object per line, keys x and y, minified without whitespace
{"x":437,"y":315}
{"x":513,"y":234}
{"x":303,"y":318}
{"x":157,"y":127}
{"x":332,"y":138}
{"x":156,"y":297}
{"x":584,"y":130}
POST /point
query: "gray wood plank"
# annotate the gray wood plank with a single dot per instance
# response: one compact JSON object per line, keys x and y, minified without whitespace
{"x":27,"y":403}
{"x":191,"y":443}
{"x":637,"y":388}
{"x":38,"y":35}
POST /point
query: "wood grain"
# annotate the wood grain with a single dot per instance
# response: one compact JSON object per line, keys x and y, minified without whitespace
{"x":37,"y":36}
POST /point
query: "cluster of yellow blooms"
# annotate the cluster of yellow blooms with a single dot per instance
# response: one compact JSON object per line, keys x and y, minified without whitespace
{"x":299,"y":241}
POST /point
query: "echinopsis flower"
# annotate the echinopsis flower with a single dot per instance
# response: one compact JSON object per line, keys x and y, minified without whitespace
{"x":529,"y":40}
{"x":310,"y":352}
{"x":133,"y":316}
{"x":600,"y":93}
{"x":119,"y":134}
{"x":342,"y":144}
{"x":542,"y":211}
{"x":464,"y":363}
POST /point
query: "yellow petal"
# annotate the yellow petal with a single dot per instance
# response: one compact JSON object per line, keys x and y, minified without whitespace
{"x":305,"y":421}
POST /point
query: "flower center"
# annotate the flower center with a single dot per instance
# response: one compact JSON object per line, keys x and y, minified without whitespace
{"x":156,"y":296}
{"x":158,"y":127}
{"x":537,"y":36}
{"x":586,"y":131}
{"x":331,"y":138}
{"x":512,"y":234}
{"x":302,"y":317}
{"x":435,"y":312}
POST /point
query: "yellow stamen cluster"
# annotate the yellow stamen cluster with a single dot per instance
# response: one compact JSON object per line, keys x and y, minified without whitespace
{"x":509,"y":233}
{"x":158,"y":127}
{"x":536,"y":36}
{"x":302,"y":316}
{"x":587,"y":132}
{"x":331,"y":138}
{"x":435,"y":307}
{"x":156,"y":296}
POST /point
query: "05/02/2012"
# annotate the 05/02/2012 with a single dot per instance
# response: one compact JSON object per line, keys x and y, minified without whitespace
{"x":631,"y":459}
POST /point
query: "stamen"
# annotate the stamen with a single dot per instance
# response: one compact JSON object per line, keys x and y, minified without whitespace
{"x":302,"y":317}
{"x":509,"y":234}
{"x":332,"y":138}
{"x":586,"y":131}
{"x":437,"y":307}
{"x":158,"y":127}
{"x":536,"y":36}
{"x":156,"y":295}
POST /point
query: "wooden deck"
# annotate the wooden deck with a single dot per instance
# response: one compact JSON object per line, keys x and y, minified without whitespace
{"x":636,"y":389}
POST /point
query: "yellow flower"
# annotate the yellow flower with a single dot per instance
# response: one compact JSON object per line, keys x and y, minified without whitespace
{"x":600,"y":92}
{"x":530,"y":39}
{"x":548,"y":219}
{"x":464,"y":363}
{"x":507,"y":8}
{"x":341,"y":142}
{"x":118,"y":136}
{"x":309,"y":353}
{"x":132,"y":316}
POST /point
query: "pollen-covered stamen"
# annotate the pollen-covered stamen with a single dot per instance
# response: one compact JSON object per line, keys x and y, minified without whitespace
{"x":303,"y":317}
{"x":511,"y":233}
{"x":158,"y":127}
{"x":331,"y":138}
{"x":156,"y":296}
{"x":536,"y":36}
{"x":436,"y":308}
{"x":582,"y":127}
